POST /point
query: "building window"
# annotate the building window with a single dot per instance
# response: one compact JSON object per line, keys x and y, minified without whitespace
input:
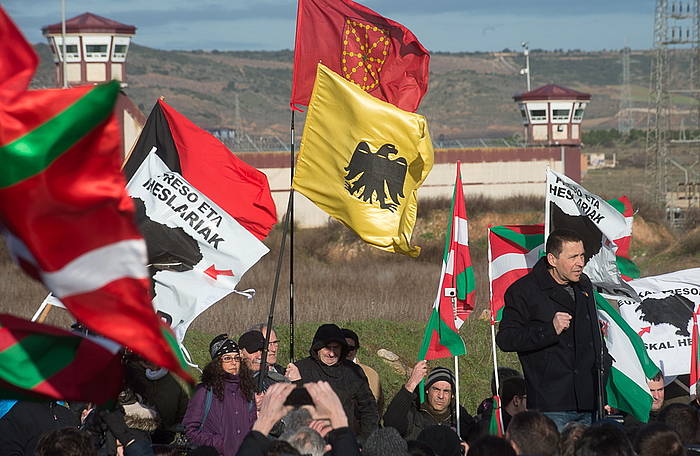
{"x":96,"y":50}
{"x":538,"y":114}
{"x":560,"y":114}
{"x":71,"y":48}
{"x":120,"y":48}
{"x":578,"y":114}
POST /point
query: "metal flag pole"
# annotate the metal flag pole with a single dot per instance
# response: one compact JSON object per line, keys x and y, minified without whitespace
{"x":493,"y":322}
{"x":63,"y":43}
{"x":456,"y":361}
{"x":263,"y":362}
{"x":291,"y":244}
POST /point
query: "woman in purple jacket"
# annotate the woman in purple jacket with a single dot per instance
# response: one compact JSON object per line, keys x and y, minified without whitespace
{"x":222,"y":409}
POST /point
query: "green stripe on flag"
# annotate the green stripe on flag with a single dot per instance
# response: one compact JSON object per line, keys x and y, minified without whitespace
{"x":650,"y":369}
{"x":627,"y":267}
{"x":36,"y":358}
{"x":526,"y":241}
{"x":618,"y":205}
{"x":174,"y":346}
{"x":624,"y":394}
{"x":446,"y":337}
{"x":466,"y":283}
{"x":32,"y":153}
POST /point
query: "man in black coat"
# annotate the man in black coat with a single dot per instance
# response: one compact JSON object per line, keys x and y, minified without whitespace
{"x":410,"y":417}
{"x":327,"y":363}
{"x":550,"y":320}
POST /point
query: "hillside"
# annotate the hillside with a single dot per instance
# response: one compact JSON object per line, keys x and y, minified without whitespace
{"x":470,"y":94}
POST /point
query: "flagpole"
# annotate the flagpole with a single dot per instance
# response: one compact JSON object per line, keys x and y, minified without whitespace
{"x":285,"y":230}
{"x":493,"y":322}
{"x":290,"y":214}
{"x":459,"y":434}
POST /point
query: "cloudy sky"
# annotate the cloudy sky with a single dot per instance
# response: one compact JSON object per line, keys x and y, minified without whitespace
{"x":441,"y":25}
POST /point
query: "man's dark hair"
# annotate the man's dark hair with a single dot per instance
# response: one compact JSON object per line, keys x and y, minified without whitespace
{"x":533,"y":433}
{"x":557,"y":238}
{"x":604,"y":440}
{"x":350,"y":334}
{"x":490,"y":445}
{"x":503,"y":373}
{"x":683,"y":419}
{"x":658,"y":377}
{"x":65,"y":442}
{"x":569,"y":436}
{"x":657,"y":438}
{"x":511,"y":387}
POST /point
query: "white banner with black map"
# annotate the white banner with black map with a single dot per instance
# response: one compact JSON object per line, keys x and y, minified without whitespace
{"x":664,"y":317}
{"x":198,"y":253}
{"x":570,"y":206}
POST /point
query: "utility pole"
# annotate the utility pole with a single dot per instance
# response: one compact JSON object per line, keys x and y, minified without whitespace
{"x":526,"y":71}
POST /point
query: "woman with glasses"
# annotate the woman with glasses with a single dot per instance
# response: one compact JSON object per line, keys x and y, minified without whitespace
{"x":222,"y":408}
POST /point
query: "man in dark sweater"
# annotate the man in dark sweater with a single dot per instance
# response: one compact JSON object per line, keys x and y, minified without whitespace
{"x":550,"y":320}
{"x":410,"y":417}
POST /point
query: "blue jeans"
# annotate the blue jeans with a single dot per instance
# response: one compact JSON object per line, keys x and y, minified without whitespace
{"x":562,"y":418}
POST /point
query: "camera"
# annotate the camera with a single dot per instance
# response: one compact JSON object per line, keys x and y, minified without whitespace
{"x":450,"y":292}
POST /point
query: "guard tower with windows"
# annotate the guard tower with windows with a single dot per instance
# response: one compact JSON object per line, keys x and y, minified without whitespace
{"x":96,"y":49}
{"x":552,"y":115}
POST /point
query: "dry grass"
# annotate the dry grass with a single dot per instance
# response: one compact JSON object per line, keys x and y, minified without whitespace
{"x":337,"y":277}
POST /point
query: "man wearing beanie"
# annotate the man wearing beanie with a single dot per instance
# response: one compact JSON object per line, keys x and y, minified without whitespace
{"x":410,"y":417}
{"x":326,"y":362}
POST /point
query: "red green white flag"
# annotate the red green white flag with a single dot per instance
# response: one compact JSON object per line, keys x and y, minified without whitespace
{"x":694,"y":358}
{"x":455,"y":299}
{"x":40,"y":361}
{"x":67,"y":217}
{"x":496,"y":421}
{"x":513,"y":250}
{"x":628,"y":269}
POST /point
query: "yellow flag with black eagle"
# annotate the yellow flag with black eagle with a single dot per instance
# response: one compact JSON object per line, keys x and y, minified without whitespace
{"x":362,"y":160}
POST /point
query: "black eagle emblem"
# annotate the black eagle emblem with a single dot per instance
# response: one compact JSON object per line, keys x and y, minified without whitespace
{"x":376,"y":177}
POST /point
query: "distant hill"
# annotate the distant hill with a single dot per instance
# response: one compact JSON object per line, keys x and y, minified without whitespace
{"x":470,"y":94}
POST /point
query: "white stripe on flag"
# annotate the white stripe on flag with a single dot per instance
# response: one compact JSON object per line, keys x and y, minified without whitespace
{"x":450,"y":267}
{"x":623,"y":353}
{"x":461,"y":230}
{"x":98,"y":267}
{"x":513,"y":261}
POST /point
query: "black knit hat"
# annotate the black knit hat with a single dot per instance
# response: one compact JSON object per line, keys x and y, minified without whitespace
{"x":385,"y":442}
{"x":440,"y":374}
{"x":222,"y":345}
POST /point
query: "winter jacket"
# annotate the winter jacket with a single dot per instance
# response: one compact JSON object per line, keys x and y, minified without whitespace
{"x":405,"y":414}
{"x":164,"y":393}
{"x":227,"y":422}
{"x":561,"y":371}
{"x":347,"y":380}
{"x":25,"y":422}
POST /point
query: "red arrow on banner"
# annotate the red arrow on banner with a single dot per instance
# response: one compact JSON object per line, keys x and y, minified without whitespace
{"x":212,"y":272}
{"x":645,"y":330}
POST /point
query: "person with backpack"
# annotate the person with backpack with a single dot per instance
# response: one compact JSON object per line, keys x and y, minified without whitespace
{"x":222,"y":409}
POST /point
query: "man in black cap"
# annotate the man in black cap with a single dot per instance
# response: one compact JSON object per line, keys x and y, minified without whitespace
{"x":326,"y":362}
{"x":251,"y":344}
{"x":410,"y":417}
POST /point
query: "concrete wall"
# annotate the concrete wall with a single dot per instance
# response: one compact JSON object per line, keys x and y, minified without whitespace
{"x":498,"y":173}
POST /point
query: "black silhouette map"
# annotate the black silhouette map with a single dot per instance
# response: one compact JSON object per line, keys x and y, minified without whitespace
{"x":675,"y":310}
{"x":580,"y":224}
{"x":169,"y":248}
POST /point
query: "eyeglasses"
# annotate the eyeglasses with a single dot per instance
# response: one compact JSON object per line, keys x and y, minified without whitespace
{"x":230,"y":359}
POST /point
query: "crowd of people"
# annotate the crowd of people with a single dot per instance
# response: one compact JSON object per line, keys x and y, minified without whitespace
{"x":328,"y":403}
